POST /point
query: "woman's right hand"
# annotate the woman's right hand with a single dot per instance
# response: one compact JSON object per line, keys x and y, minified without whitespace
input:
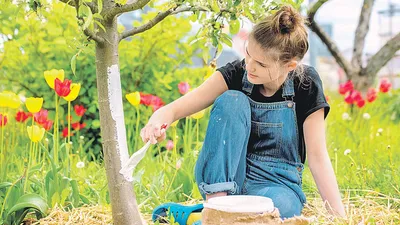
{"x":154,"y":132}
{"x":155,"y":129}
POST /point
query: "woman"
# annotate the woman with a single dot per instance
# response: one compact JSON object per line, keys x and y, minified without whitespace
{"x":268,"y":110}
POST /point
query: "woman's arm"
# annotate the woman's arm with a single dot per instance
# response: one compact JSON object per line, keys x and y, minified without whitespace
{"x":194,"y":101}
{"x":320,"y":164}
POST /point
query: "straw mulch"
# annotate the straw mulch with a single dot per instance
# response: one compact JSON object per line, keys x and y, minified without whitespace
{"x":373,"y":208}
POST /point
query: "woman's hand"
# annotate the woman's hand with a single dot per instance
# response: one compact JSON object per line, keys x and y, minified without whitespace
{"x":155,"y":129}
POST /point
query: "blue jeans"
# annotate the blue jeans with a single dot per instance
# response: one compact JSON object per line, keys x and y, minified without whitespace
{"x":230,"y":163}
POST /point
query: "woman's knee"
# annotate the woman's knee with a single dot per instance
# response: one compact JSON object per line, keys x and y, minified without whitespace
{"x":232,"y":101}
{"x":285,"y":200}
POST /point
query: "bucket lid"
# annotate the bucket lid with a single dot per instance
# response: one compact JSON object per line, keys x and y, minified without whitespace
{"x":240,"y":203}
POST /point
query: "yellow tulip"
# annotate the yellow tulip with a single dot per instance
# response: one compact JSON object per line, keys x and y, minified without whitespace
{"x":4,"y":99}
{"x":34,"y":104}
{"x":11,"y":99}
{"x":36,"y":133}
{"x":133,"y":98}
{"x":198,"y":115}
{"x":50,"y":76}
{"x":174,"y":123}
{"x":75,"y":88}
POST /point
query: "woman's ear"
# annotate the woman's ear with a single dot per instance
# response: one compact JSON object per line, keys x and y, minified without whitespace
{"x":291,"y":65}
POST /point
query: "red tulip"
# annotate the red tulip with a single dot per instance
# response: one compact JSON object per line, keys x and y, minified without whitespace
{"x":78,"y":126}
{"x":353,"y":96}
{"x":65,"y":132}
{"x":361,"y":103}
{"x":3,"y":120}
{"x":145,"y":99}
{"x":41,"y":116}
{"x":385,"y":85}
{"x":21,"y":116}
{"x":150,"y":100}
{"x":47,"y":125}
{"x":156,"y":103}
{"x":79,"y":110}
{"x":372,"y":94}
{"x":183,"y":87}
{"x":62,"y":88}
{"x":346,"y":87}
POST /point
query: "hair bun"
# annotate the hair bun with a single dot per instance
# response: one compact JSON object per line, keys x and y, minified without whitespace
{"x":286,"y":19}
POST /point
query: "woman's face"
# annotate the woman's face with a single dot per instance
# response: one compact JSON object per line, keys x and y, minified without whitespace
{"x":261,"y":66}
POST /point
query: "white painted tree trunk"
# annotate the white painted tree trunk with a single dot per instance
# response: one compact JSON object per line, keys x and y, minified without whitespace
{"x":115,"y":150}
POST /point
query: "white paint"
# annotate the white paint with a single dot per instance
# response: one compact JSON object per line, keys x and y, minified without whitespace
{"x":117,"y":112}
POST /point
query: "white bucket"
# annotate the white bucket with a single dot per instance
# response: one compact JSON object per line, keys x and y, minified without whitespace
{"x":241,"y":204}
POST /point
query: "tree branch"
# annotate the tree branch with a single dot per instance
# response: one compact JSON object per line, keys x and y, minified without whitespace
{"x":361,"y":33}
{"x":91,"y":35}
{"x":17,"y":81}
{"x":383,"y":56}
{"x":332,"y":47}
{"x":313,"y":10}
{"x":136,"y":30}
{"x":137,"y":4}
{"x":160,"y":17}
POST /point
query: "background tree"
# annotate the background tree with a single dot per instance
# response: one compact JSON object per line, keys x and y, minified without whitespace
{"x":362,"y":74}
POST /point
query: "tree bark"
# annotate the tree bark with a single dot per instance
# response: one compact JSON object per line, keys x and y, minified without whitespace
{"x":123,"y":200}
{"x":361,"y":33}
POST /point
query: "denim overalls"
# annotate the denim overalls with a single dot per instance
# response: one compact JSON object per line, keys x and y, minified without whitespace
{"x":252,"y":148}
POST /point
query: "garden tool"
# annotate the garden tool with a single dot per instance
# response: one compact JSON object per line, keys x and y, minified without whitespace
{"x":133,"y":161}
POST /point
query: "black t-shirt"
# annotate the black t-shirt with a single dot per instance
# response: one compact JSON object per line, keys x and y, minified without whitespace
{"x":309,"y":95}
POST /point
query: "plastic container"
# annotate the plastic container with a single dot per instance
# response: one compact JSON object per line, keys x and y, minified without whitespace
{"x":241,"y":204}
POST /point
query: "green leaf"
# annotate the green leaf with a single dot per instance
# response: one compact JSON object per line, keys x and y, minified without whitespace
{"x":34,"y":169}
{"x":55,"y":199}
{"x":84,"y":199}
{"x":98,"y":16}
{"x":100,"y":25}
{"x":64,"y":195}
{"x":193,"y":17}
{"x":95,"y":124}
{"x":73,"y":64}
{"x":88,"y":20}
{"x":226,"y":39}
{"x":214,"y":41}
{"x":5,"y":185}
{"x":220,"y":48}
{"x":29,"y":201}
{"x":248,"y":14}
{"x":237,"y":2}
{"x":234,"y":26}
{"x":214,"y":6}
{"x":205,"y":55}
{"x":75,"y":193}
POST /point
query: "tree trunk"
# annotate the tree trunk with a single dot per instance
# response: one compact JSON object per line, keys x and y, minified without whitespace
{"x":363,"y":81}
{"x":115,"y":150}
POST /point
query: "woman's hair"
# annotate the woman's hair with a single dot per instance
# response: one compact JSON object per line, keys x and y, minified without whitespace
{"x":283,"y":32}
